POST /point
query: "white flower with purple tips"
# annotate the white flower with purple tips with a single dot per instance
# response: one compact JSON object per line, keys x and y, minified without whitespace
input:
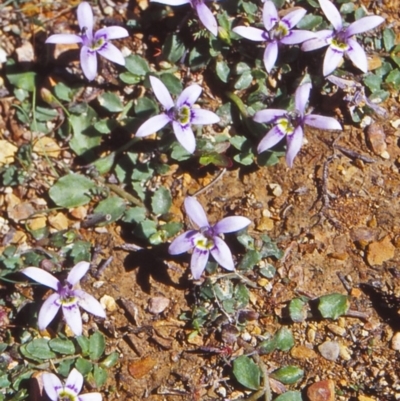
{"x":278,"y":31}
{"x":181,"y":114}
{"x":92,"y":43}
{"x":290,"y":124}
{"x":56,"y":391}
{"x":204,"y":13}
{"x":67,"y":297}
{"x":340,"y":40}
{"x":206,"y":239}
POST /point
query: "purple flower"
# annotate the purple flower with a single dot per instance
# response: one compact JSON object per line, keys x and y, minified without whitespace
{"x":278,"y":31}
{"x":340,"y":40}
{"x":206,"y":239}
{"x":92,"y":44}
{"x":291,"y":123}
{"x":66,"y":297}
{"x":56,"y":391}
{"x":182,"y":114}
{"x":204,"y":13}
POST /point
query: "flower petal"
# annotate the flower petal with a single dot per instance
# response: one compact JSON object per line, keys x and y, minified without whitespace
{"x":251,"y":33}
{"x":322,"y":122}
{"x":185,"y":136}
{"x":297,"y":36}
{"x":161,"y":93}
{"x":85,"y":17}
{"x":42,"y":277}
{"x":64,"y":38}
{"x":203,"y":117}
{"x":74,"y":381}
{"x":89,"y":63}
{"x":196,"y":212}
{"x":77,"y":272}
{"x":206,"y":17}
{"x":52,"y":385}
{"x":364,"y":24}
{"x":182,"y":243}
{"x":91,"y":397}
{"x":267,"y":115}
{"x":111,"y":32}
{"x":294,"y":143}
{"x":112,"y":53}
{"x":318,"y":42}
{"x":231,"y":224}
{"x":270,"y":15}
{"x":294,"y":17}
{"x":189,"y":95}
{"x":90,"y":304}
{"x":48,"y":310}
{"x":332,"y":14}
{"x":271,"y":139}
{"x":357,"y":55}
{"x":198,"y":262}
{"x":73,"y":318}
{"x":270,"y":55}
{"x":301,"y":97}
{"x":152,"y":125}
{"x":331,"y":60}
{"x":222,"y":254}
{"x":171,"y":2}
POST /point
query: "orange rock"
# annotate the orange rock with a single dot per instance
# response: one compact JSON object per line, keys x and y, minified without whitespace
{"x":140,"y":368}
{"x":380,"y":251}
{"x":323,"y":390}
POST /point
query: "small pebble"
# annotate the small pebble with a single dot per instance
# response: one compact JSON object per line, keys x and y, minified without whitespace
{"x":108,"y":303}
{"x":395,"y":343}
{"x":330,"y":350}
{"x":335,"y":329}
{"x":158,"y":305}
{"x":323,"y":390}
{"x":275,"y":189}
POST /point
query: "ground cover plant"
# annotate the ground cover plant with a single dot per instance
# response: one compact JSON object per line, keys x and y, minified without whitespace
{"x":205,"y":207}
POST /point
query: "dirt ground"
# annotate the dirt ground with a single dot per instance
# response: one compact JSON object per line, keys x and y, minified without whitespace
{"x":335,"y":215}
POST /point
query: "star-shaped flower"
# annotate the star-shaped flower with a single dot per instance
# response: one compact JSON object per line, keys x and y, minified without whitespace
{"x":92,"y":43}
{"x":340,"y":40}
{"x":67,"y":296}
{"x":290,"y":124}
{"x":206,"y":239}
{"x":204,"y":13}
{"x":277,"y":31}
{"x":56,"y":391}
{"x":182,"y":114}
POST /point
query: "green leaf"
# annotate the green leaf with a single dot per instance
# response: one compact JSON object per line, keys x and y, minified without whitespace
{"x":249,"y":260}
{"x":65,"y":367}
{"x":129,"y":78}
{"x":389,"y":39}
{"x":309,"y":22}
{"x":23,"y":80}
{"x":268,"y":271}
{"x":45,"y":114}
{"x":113,"y":206}
{"x":347,"y":8}
{"x":111,"y":102}
{"x":79,"y":252}
{"x":297,"y":310}
{"x":290,"y":396}
{"x":85,"y":137}
{"x":134,"y":215}
{"x":222,"y":70}
{"x":173,"y":84}
{"x":173,"y":48}
{"x":62,"y":346}
{"x":84,"y":366}
{"x":333,"y":306}
{"x":100,"y":376}
{"x":105,"y":126}
{"x":145,"y":107}
{"x":161,"y":201}
{"x":284,"y":339}
{"x":72,"y":190}
{"x":394,"y":78}
{"x":97,"y":346}
{"x":63,"y":92}
{"x":244,"y":81}
{"x":136,"y":65}
{"x":110,"y":361}
{"x":247,"y":372}
{"x":146,"y":229}
{"x":288,"y":374}
{"x":39,"y":348}
{"x":373,"y":82}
